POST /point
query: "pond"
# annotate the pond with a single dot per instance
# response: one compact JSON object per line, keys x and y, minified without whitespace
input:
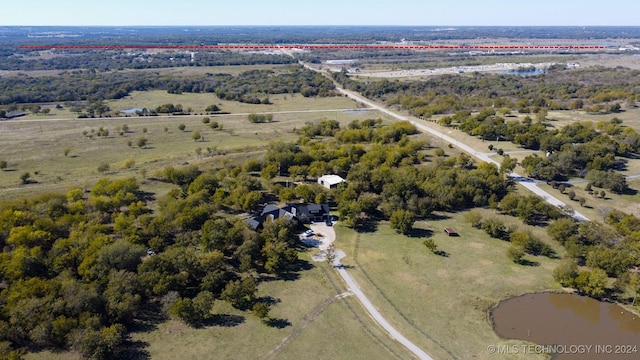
{"x":575,"y":327}
{"x":526,"y":72}
{"x":131,"y":111}
{"x":355,"y":111}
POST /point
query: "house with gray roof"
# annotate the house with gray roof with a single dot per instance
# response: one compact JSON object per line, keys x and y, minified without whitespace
{"x":304,"y":213}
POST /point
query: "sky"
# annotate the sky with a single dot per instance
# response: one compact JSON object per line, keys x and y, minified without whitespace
{"x":323,"y":12}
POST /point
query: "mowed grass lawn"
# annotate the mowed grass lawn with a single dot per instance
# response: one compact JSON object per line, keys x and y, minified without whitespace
{"x":441,"y":303}
{"x":38,"y":146}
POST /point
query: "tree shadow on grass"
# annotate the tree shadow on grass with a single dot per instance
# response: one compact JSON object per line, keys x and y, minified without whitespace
{"x":342,"y":266}
{"x":146,"y":196}
{"x":620,"y":165}
{"x":525,"y":262}
{"x":278,"y":323}
{"x":368,"y":227}
{"x":441,"y":253}
{"x":135,"y":350}
{"x":149,"y":318}
{"x":269,"y":300}
{"x":434,"y":216}
{"x":223,"y":320}
{"x":420,"y":233}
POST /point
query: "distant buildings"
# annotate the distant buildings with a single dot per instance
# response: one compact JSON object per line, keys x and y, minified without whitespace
{"x":14,"y":114}
{"x":330,"y":181}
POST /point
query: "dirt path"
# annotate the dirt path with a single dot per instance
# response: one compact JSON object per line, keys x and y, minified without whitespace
{"x":327,"y":238}
{"x":306,"y":321}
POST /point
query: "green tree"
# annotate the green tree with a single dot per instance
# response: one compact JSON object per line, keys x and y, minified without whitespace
{"x":241,"y":294}
{"x":25,"y":177}
{"x":431,"y":245}
{"x":142,"y":143}
{"x":261,"y":310}
{"x":562,"y":229}
{"x":474,"y":218}
{"x":183,"y":309}
{"x":206,"y":120}
{"x":66,"y":151}
{"x":515,"y":253}
{"x":269,"y":172}
{"x":203,"y":304}
{"x":130,"y":163}
{"x":508,"y":164}
{"x":592,"y":283}
{"x":181,"y":127}
{"x":103,"y":168}
{"x":566,"y":273}
{"x":196,"y":136}
{"x":495,"y":228}
{"x":122,"y":298}
{"x":634,"y":286}
{"x":212,"y":108}
{"x":3,"y":164}
{"x":402,"y":221}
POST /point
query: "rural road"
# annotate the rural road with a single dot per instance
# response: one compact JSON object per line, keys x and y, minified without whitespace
{"x":329,"y":237}
{"x":528,"y":183}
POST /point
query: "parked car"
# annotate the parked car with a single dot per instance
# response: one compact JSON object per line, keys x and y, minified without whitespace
{"x":308,"y":233}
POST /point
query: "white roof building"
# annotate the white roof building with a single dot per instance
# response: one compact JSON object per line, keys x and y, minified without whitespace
{"x":330,"y":181}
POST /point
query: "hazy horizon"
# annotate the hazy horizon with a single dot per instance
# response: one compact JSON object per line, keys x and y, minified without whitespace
{"x":330,"y":13}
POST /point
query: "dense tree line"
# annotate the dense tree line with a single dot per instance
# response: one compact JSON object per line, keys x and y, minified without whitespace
{"x":78,"y":271}
{"x":387,"y":175}
{"x":557,"y":89}
{"x":610,"y":251}
{"x":578,"y":149}
{"x":93,"y":86}
{"x":105,"y":60}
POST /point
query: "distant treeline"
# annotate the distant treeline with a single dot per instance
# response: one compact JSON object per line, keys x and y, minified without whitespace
{"x":556,"y":90}
{"x":206,"y":35}
{"x":104,"y":60}
{"x":90,"y":85}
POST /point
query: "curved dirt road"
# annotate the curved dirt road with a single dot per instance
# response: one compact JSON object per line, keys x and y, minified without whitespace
{"x":329,"y":237}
